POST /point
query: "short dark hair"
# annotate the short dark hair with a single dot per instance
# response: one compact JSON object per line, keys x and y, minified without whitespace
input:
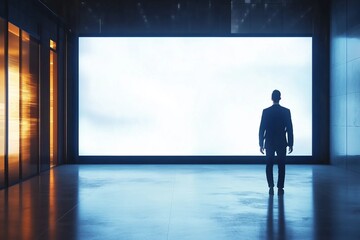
{"x":276,"y":95}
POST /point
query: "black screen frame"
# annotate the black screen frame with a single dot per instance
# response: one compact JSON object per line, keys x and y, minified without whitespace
{"x":318,"y":109}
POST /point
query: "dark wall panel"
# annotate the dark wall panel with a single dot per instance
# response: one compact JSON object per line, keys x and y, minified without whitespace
{"x":45,"y":103}
{"x":352,"y":16}
{"x":296,"y":17}
{"x":353,"y":43}
{"x":321,"y":75}
{"x":61,"y":96}
{"x":72,"y":103}
{"x":3,"y":9}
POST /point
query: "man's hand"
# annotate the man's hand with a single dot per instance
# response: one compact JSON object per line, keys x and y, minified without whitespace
{"x":262,"y":150}
{"x":290,"y":150}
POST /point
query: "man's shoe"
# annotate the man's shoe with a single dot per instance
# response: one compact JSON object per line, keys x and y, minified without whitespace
{"x":271,"y":191}
{"x":281,"y":191}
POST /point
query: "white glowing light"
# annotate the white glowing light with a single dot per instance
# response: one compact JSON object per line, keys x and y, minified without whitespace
{"x":189,"y":95}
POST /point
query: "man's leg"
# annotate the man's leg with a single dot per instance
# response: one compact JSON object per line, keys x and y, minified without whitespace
{"x":281,"y":155}
{"x":269,"y":167}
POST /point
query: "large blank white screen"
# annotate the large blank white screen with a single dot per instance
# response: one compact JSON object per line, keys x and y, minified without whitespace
{"x":189,"y":95}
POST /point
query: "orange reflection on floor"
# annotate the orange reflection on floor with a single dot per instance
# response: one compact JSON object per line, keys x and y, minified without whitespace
{"x":52,"y":204}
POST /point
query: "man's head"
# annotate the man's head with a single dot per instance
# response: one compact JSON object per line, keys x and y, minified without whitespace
{"x":276,"y":96}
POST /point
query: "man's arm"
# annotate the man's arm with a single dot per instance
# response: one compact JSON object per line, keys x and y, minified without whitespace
{"x":262,"y":131}
{"x":290,"y":134}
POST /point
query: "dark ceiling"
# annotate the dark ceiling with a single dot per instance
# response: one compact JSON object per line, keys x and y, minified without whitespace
{"x":186,"y":16}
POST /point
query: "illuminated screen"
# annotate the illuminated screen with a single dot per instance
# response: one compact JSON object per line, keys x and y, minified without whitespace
{"x":180,"y":96}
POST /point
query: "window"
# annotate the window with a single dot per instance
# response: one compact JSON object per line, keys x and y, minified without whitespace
{"x":23,"y":105}
{"x":29,"y":111}
{"x":14,"y":102}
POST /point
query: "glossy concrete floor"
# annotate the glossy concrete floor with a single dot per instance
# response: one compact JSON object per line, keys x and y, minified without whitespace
{"x":181,"y":202}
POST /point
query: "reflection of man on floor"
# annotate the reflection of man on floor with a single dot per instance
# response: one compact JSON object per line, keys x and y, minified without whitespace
{"x":275,"y":125}
{"x":271,"y":231}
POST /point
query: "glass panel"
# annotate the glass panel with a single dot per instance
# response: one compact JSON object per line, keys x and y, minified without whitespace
{"x":29,"y":106}
{"x":2,"y":103}
{"x":14,"y":101}
{"x":53,"y":109}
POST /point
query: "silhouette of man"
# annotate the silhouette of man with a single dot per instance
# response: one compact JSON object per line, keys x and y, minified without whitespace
{"x":275,"y":125}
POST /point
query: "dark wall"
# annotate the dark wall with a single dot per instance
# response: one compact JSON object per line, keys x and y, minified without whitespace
{"x":214,"y":17}
{"x":288,"y":18}
{"x":321,"y":82}
{"x":345,"y":84}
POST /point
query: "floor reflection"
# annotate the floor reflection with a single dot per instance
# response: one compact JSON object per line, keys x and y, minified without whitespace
{"x":336,"y":197}
{"x":33,"y":209}
{"x":276,"y":224}
{"x":181,"y":202}
{"x":281,"y":219}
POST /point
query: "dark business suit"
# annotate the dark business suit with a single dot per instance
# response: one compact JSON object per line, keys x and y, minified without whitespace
{"x":275,"y":125}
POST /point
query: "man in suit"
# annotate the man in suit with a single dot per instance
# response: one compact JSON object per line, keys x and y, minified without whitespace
{"x":275,"y":125}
